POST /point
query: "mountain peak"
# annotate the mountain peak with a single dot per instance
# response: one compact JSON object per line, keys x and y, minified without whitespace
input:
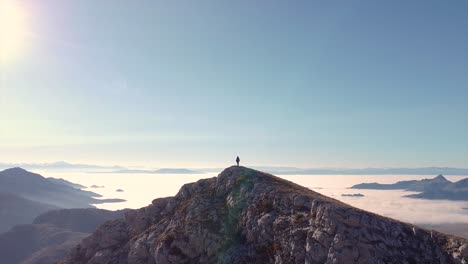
{"x":15,"y":169}
{"x":247,"y":216}
{"x":236,"y":171}
{"x":20,"y":173}
{"x":440,"y":177}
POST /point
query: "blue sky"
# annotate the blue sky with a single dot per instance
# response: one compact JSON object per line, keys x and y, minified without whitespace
{"x":195,"y":83}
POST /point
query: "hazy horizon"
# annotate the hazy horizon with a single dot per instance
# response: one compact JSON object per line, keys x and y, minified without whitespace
{"x":76,"y":166}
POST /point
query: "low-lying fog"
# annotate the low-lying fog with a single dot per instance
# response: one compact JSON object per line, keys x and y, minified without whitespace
{"x":140,"y":189}
{"x":389,"y":203}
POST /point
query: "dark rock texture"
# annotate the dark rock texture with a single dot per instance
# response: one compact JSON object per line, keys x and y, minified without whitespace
{"x":246,"y":216}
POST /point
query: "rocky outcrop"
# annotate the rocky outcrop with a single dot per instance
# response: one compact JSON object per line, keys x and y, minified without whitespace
{"x":246,"y":216}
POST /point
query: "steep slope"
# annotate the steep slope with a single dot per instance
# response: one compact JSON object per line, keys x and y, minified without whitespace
{"x":246,"y":216}
{"x":52,"y":235}
{"x":16,"y":210}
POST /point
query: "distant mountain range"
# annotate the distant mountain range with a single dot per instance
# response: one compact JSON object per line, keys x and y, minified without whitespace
{"x":362,"y":171}
{"x":376,"y":171}
{"x":60,"y":165}
{"x":54,"y":192}
{"x":24,"y":195}
{"x":160,"y":171}
{"x":65,"y":166}
{"x":280,"y":170}
{"x":436,"y":188}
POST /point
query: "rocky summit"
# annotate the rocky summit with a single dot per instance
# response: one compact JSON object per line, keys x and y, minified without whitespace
{"x":246,"y":216}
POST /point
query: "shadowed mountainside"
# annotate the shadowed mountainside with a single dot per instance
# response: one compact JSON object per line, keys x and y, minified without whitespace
{"x":16,"y":210}
{"x":246,"y":216}
{"x":24,"y":195}
{"x":52,"y":235}
{"x":54,"y":192}
{"x":65,"y":182}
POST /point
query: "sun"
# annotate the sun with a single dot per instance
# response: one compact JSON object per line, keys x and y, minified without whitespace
{"x":11,"y":29}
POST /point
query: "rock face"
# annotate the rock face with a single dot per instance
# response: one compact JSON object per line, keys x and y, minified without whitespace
{"x":246,"y":216}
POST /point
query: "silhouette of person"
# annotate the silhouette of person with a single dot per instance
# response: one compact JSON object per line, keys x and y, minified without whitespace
{"x":237,"y":160}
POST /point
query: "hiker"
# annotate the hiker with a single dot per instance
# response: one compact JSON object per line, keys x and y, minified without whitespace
{"x":237,"y":160}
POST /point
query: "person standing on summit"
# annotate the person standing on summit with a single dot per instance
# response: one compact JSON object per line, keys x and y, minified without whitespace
{"x":237,"y":161}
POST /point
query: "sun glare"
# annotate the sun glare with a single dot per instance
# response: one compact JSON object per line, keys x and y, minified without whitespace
{"x":11,"y":29}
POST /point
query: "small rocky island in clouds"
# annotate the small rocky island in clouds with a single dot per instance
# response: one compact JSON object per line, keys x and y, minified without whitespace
{"x":94,"y":186}
{"x":436,"y":188}
{"x":352,"y":195}
{"x":246,"y":216}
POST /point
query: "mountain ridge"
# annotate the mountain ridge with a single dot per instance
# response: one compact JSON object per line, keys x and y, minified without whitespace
{"x":247,"y":216}
{"x":435,"y":188}
{"x":59,"y":165}
{"x":59,"y":193}
{"x":51,"y":235}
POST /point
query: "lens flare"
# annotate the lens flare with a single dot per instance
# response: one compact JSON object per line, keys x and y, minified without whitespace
{"x":11,"y":29}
